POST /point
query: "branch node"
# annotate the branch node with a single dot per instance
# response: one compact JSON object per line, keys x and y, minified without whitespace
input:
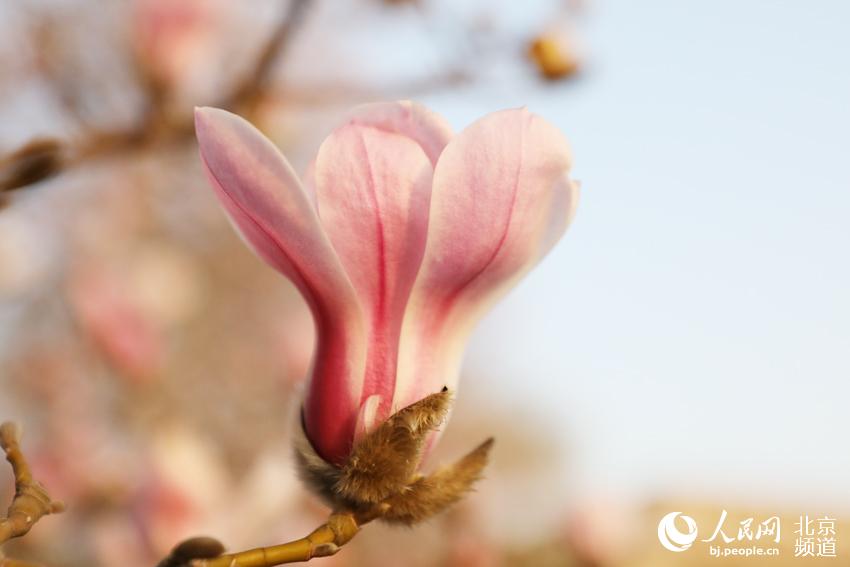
{"x":31,"y":501}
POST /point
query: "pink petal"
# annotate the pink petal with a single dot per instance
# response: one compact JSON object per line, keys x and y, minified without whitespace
{"x":269,"y":207}
{"x":373,"y":193}
{"x":410,"y":119}
{"x":500,"y":201}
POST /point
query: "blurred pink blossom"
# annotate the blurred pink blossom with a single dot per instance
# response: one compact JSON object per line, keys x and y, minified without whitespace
{"x":400,"y":239}
{"x":170,"y":36}
{"x":601,"y":530}
{"x":184,"y":482}
{"x":117,"y":325}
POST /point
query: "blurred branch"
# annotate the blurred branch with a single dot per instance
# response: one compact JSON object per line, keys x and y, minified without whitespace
{"x":31,"y":501}
{"x":55,"y":70}
{"x":35,"y":161}
{"x":39,"y":160}
{"x":249,"y":90}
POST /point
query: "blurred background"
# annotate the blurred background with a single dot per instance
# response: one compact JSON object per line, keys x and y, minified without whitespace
{"x":685,"y":348}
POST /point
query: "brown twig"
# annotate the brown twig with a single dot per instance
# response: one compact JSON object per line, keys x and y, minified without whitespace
{"x":31,"y":501}
{"x":325,"y":540}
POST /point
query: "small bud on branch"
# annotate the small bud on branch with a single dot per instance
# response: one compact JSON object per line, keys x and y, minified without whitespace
{"x":192,"y":549}
{"x":555,"y":59}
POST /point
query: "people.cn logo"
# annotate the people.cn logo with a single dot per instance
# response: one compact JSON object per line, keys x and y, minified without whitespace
{"x":670,"y":536}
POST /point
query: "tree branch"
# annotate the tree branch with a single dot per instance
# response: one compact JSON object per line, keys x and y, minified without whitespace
{"x":325,"y":540}
{"x":31,"y":501}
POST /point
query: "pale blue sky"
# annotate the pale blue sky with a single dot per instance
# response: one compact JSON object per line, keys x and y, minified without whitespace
{"x":692,"y":332}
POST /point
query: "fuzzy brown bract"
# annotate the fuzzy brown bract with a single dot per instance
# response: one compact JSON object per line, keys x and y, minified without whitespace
{"x":430,"y":495}
{"x":380,"y":478}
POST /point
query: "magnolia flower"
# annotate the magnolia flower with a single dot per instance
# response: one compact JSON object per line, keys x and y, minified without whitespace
{"x":400,"y":237}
